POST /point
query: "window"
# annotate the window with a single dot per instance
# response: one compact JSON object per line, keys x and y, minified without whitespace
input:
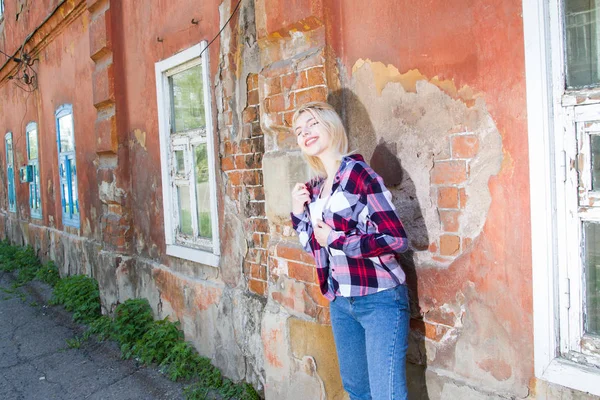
{"x":562,"y":49}
{"x":35,"y":202}
{"x":67,"y":169}
{"x":10,"y":173}
{"x":187,"y":156}
{"x":1,"y":9}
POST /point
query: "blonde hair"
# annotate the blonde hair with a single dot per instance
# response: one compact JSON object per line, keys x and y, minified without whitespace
{"x":326,"y":115}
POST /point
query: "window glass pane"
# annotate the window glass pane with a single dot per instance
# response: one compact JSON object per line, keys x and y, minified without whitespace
{"x":179,"y":162}
{"x":592,"y":277}
{"x":74,"y":199}
{"x":185,"y":211}
{"x":33,"y":144}
{"x":187,"y":100}
{"x":582,"y":42}
{"x":65,"y":199}
{"x":65,"y":127}
{"x":9,"y":151}
{"x":202,"y":192}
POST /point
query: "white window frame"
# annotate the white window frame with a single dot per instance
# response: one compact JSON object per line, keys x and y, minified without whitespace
{"x":163,"y":69}
{"x":34,"y":185}
{"x":554,"y":246}
{"x":1,"y":10}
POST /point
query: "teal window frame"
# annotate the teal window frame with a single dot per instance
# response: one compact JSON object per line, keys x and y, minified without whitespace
{"x":67,"y":172}
{"x":35,"y":198}
{"x":10,"y":172}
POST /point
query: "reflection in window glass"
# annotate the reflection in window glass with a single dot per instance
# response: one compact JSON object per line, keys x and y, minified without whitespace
{"x":180,"y":162}
{"x":187,"y":101}
{"x":582,"y":42}
{"x":33,"y":144}
{"x":65,"y":126}
{"x":202,"y":191}
{"x":185,"y":211}
{"x":592,"y":277}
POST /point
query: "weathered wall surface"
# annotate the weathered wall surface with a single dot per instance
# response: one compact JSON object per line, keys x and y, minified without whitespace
{"x":432,"y":95}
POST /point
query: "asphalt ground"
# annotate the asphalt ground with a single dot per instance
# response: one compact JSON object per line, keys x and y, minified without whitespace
{"x":37,"y":363}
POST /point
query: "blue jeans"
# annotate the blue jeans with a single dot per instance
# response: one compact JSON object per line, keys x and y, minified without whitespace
{"x":371,"y":338}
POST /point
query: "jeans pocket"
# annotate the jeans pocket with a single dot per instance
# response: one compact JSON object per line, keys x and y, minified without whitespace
{"x":402,"y":296}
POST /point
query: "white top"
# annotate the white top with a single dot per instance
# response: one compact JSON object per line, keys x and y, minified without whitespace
{"x":316,"y":210}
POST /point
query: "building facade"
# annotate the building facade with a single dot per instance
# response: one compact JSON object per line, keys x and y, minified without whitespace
{"x":140,"y":151}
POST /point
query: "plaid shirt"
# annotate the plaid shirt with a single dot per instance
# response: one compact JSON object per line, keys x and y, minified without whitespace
{"x":359,"y":259}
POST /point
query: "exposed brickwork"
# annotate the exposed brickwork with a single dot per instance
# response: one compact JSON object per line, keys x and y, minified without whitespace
{"x":241,"y":161}
{"x":449,"y":177}
{"x":115,"y":218}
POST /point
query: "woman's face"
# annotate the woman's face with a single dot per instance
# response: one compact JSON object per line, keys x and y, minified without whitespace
{"x":312,"y":138}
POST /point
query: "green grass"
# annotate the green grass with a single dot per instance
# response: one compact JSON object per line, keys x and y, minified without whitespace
{"x":152,"y":342}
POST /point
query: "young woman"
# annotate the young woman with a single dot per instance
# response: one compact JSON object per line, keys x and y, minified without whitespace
{"x":345,"y":218}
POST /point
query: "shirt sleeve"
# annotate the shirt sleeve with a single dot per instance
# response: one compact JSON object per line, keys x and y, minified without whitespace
{"x":302,"y":225}
{"x":390,"y":236}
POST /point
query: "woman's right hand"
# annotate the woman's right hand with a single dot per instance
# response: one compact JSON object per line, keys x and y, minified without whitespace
{"x":300,"y":197}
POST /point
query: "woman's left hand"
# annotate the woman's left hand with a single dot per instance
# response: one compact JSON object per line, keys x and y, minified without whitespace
{"x":321,"y":231}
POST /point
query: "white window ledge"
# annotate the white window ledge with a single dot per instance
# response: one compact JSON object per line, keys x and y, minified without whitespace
{"x":575,"y":376}
{"x":195,"y":255}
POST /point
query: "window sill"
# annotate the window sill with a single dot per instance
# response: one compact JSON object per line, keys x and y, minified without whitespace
{"x":572,"y":375}
{"x":195,"y":255}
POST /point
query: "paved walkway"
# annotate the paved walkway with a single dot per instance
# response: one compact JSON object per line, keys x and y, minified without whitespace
{"x":36,"y":362}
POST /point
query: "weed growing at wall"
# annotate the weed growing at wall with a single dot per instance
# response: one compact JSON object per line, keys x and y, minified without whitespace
{"x":151,"y":342}
{"x":80,"y":295}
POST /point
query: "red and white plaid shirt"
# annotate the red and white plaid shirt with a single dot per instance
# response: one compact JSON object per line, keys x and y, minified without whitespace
{"x":367,"y":232}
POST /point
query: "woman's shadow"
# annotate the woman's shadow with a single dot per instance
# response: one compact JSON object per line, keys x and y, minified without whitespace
{"x":384,"y":160}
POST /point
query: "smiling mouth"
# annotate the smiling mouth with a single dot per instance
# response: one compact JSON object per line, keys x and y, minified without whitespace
{"x":310,"y":141}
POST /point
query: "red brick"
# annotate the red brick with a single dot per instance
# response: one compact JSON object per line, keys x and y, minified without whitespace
{"x":252,"y":178}
{"x":439,"y":316}
{"x":433,"y":247}
{"x":230,"y":147}
{"x":450,"y":220}
{"x":275,"y":104}
{"x":465,"y":146}
{"x":253,"y":98}
{"x":258,"y":287}
{"x":235,"y":178}
{"x":449,"y":245}
{"x":264,"y":243}
{"x":288,"y":81}
{"x":228,"y":117}
{"x":447,"y":197}
{"x":261,"y":225}
{"x":294,"y":253}
{"x":435,"y":332}
{"x":227,"y":163}
{"x":247,"y":268}
{"x":272,"y":86}
{"x":256,"y":193}
{"x":256,"y":130}
{"x":313,"y":77}
{"x":256,"y":209}
{"x":449,"y":172}
{"x":312,"y":94}
{"x":462,"y":194}
{"x":256,"y":239}
{"x":249,"y":114}
{"x":288,"y":118}
{"x":259,"y":272}
{"x":314,"y":292}
{"x":252,"y":81}
{"x":273,"y":266}
{"x":301,"y":272}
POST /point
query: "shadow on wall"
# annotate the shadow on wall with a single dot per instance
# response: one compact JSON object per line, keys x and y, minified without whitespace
{"x":384,"y":160}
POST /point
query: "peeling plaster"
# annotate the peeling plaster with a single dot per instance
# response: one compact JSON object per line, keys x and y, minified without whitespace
{"x":406,"y":124}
